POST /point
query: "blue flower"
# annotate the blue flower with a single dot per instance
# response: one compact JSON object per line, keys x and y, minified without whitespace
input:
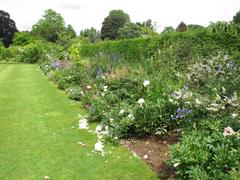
{"x":100,"y":72}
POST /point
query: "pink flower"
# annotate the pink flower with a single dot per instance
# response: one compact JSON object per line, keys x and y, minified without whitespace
{"x":228,"y":131}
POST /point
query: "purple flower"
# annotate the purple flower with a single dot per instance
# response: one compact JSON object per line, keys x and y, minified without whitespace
{"x":100,"y":72}
{"x":181,"y":113}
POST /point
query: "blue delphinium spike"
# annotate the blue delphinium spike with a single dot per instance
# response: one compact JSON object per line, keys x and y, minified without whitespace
{"x":100,"y":72}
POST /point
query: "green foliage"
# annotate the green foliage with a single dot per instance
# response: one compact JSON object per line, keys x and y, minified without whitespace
{"x":7,"y":28}
{"x":70,"y":31}
{"x":184,"y":45}
{"x":75,"y":93}
{"x":112,"y":23}
{"x":168,"y":29}
{"x":236,"y":18}
{"x":194,"y":27}
{"x":23,"y":38}
{"x":32,"y":53}
{"x":181,"y":27}
{"x":224,"y":27}
{"x":206,"y":154}
{"x":92,"y":34}
{"x":146,"y":24}
{"x":130,"y":30}
{"x":52,"y":27}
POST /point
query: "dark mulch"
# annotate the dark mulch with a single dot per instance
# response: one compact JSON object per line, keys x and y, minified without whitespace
{"x":154,"y":152}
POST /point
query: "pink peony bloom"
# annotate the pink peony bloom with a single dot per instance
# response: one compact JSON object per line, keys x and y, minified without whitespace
{"x":228,"y":131}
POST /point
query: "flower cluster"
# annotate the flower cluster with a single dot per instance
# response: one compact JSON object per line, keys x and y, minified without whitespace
{"x":181,"y":113}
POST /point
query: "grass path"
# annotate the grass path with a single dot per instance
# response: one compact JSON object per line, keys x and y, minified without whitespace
{"x":39,"y":134}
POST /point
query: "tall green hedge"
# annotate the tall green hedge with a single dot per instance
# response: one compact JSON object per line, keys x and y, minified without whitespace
{"x":200,"y":42}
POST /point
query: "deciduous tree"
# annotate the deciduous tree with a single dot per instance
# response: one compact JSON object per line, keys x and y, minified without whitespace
{"x":50,"y":26}
{"x":7,"y":28}
{"x":181,"y":27}
{"x":112,"y":23}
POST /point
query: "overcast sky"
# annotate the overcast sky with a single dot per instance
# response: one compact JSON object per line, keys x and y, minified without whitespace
{"x":83,"y":14}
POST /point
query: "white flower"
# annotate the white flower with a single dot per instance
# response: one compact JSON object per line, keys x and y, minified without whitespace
{"x":111,"y":120}
{"x":98,"y":129}
{"x":105,"y":88}
{"x":176,"y":164}
{"x":234,"y":115}
{"x":121,"y":112}
{"x":107,"y":130}
{"x":82,"y":93}
{"x":145,"y":156}
{"x":141,"y":101}
{"x":197,"y":101}
{"x":146,"y":83}
{"x":99,"y":146}
{"x":89,"y":87}
{"x":130,"y":116}
{"x":228,"y":131}
{"x":212,"y":109}
{"x":83,"y":124}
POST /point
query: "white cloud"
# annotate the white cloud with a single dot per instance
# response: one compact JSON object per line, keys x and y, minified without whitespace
{"x":90,"y":13}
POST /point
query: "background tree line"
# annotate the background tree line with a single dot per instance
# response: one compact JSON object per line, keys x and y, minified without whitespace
{"x":117,"y":25}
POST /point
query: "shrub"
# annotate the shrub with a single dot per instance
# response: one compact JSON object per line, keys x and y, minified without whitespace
{"x":206,"y":154}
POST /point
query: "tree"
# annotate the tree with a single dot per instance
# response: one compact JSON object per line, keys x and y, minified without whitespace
{"x":146,"y":24}
{"x":92,"y":34}
{"x":193,"y":27}
{"x":168,"y":29}
{"x":50,"y":26}
{"x":70,"y":31}
{"x":130,"y":30}
{"x":236,"y":18}
{"x":112,"y":23}
{"x":7,"y":28}
{"x":181,"y":27}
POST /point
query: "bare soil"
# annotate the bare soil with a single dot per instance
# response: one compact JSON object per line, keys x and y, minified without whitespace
{"x":154,"y":152}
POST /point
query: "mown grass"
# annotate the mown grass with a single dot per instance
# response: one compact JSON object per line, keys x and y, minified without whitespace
{"x":39,"y":134}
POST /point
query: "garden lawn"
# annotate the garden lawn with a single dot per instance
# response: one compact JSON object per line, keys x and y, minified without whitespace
{"x":39,"y":134}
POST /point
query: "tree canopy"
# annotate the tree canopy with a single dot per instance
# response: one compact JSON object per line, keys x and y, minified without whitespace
{"x":7,"y":28}
{"x":236,"y":18}
{"x":181,"y":27}
{"x":168,"y":29}
{"x":112,"y":23}
{"x":130,"y":30}
{"x":92,"y":34}
{"x":146,"y":24}
{"x":52,"y":26}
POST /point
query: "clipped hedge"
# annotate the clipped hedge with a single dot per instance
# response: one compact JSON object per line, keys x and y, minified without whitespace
{"x":200,"y":43}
